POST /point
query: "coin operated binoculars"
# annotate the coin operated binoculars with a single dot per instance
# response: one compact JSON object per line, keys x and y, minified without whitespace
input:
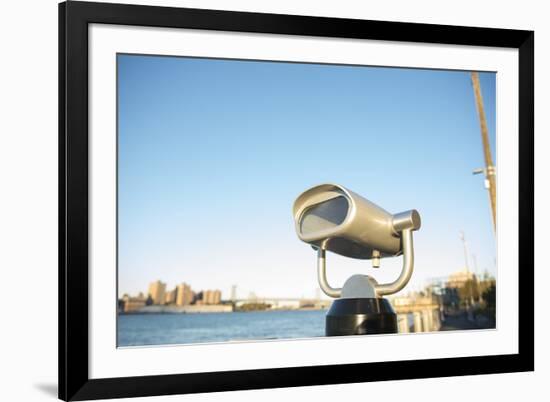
{"x":331,"y":217}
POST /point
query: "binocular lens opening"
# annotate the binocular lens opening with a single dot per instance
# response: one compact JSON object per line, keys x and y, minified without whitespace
{"x":325,"y":215}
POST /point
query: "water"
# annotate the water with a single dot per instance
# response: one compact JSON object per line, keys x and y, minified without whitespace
{"x":169,"y":329}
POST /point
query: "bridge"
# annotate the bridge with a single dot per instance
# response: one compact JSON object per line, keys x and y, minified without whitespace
{"x":285,"y":303}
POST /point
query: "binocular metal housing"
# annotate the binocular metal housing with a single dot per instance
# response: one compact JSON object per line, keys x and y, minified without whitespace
{"x":331,"y":217}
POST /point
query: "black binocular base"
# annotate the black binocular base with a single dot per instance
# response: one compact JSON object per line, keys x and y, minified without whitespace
{"x":360,"y":317}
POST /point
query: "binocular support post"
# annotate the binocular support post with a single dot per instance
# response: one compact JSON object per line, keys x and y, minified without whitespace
{"x":359,"y":308}
{"x":322,"y":275}
{"x":406,"y":272}
{"x":380,"y":289}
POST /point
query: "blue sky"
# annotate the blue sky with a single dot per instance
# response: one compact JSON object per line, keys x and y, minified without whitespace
{"x":212,"y":154}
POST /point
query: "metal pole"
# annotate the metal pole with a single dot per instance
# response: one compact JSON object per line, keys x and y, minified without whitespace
{"x":322,"y":275}
{"x":489,"y":166}
{"x":406,"y":272}
{"x":463,"y":238}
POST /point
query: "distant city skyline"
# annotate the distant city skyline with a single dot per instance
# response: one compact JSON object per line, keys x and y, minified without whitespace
{"x":212,"y":154}
{"x":233,"y":293}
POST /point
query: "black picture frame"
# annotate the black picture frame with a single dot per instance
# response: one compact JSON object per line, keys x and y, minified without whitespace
{"x":74,"y":381}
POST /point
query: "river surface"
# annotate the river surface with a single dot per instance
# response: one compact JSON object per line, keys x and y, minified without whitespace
{"x":170,"y":329}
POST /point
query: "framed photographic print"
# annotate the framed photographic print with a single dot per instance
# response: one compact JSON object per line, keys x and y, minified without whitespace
{"x":258,"y":200}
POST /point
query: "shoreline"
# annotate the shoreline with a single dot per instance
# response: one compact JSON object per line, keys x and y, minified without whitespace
{"x":214,"y":312}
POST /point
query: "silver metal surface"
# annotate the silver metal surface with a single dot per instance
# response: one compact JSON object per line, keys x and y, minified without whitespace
{"x":322,"y":275}
{"x":406,"y":272}
{"x":331,"y":217}
{"x":359,"y":286}
{"x":405,"y":220}
{"x":375,"y":259}
{"x":335,"y":218}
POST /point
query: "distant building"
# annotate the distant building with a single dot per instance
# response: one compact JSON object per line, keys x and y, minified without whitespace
{"x":211,"y":297}
{"x":233,"y":293}
{"x":207,"y":297}
{"x":417,"y":312}
{"x":184,"y":295}
{"x":170,"y":297}
{"x":131,"y":304}
{"x":157,"y":292}
{"x":458,"y":279}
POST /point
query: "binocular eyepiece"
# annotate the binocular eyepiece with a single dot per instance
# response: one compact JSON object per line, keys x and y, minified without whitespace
{"x":334,"y":218}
